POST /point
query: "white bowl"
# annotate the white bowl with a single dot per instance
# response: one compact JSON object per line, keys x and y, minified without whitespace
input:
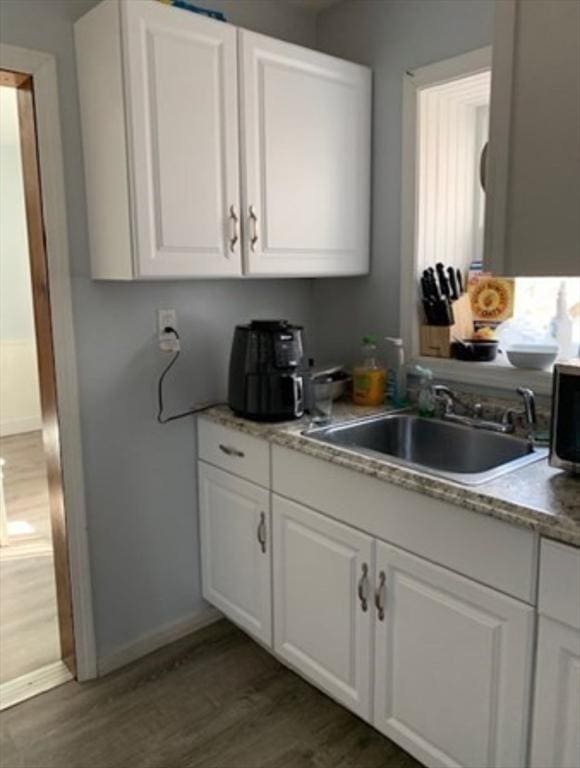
{"x":535,"y":356}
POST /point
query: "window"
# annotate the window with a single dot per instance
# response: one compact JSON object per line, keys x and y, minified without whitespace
{"x":446,"y":117}
{"x":535,"y":308}
{"x":453,"y":122}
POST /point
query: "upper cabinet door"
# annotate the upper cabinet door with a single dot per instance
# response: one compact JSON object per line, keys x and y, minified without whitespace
{"x":305,"y":160}
{"x":533,"y":194}
{"x":181,"y":81}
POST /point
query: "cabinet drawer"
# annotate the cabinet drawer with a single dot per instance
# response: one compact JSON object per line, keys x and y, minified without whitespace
{"x":560,"y":582}
{"x":234,"y":451}
{"x":487,"y":550}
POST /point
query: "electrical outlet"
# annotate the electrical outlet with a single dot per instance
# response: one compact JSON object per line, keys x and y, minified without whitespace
{"x":167,"y":318}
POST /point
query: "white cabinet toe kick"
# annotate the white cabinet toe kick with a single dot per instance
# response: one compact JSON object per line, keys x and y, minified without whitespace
{"x":417,"y":615}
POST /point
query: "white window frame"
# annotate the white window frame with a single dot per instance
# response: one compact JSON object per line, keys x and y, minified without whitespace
{"x":500,"y":376}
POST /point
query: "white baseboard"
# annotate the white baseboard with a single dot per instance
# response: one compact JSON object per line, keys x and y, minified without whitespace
{"x":33,"y":683}
{"x":152,"y":641}
{"x":19,"y":426}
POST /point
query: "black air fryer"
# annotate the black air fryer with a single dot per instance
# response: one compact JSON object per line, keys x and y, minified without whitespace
{"x":267,"y":371}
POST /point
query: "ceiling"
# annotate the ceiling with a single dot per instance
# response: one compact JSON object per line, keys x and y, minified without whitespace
{"x":315,"y":5}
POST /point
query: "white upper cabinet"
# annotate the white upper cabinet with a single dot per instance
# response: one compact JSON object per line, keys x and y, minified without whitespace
{"x":533,"y":193}
{"x":305,"y":160}
{"x":159,"y":110}
{"x":183,"y":104}
{"x":159,"y":92}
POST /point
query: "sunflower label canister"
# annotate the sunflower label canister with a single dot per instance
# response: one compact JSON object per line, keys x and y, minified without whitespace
{"x":492,"y":298}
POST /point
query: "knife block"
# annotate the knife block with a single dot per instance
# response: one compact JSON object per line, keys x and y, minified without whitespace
{"x":435,"y":340}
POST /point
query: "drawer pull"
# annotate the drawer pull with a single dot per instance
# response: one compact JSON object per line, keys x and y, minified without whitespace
{"x":262,"y":532}
{"x":229,"y":451}
{"x":363,"y":588}
{"x":380,"y":596}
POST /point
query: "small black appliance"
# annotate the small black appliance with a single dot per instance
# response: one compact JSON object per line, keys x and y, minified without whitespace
{"x":565,"y":435}
{"x":267,"y":371}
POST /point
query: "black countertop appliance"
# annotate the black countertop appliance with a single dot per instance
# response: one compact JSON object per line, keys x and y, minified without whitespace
{"x":267,"y":371}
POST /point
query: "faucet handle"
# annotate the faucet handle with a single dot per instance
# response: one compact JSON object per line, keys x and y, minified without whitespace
{"x":443,"y":394}
{"x":529,"y":404}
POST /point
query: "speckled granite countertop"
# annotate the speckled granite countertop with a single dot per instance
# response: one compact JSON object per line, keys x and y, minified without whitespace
{"x":537,"y":496}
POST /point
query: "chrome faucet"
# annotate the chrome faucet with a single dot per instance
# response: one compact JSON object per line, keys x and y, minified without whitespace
{"x":506,"y":425}
{"x":450,"y":399}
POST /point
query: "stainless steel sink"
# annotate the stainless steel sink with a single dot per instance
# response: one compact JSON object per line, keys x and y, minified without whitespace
{"x":459,"y":453}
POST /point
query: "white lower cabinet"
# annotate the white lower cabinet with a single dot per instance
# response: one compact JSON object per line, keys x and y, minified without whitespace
{"x":556,"y":722}
{"x":323,"y":610}
{"x":556,"y":726}
{"x":434,"y":659}
{"x":452,"y":665}
{"x":236,"y":552}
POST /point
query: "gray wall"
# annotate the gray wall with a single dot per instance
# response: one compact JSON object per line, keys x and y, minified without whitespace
{"x":140,"y":477}
{"x":391,"y":36}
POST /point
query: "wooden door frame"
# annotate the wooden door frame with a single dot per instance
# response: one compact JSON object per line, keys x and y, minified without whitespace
{"x":51,"y":242}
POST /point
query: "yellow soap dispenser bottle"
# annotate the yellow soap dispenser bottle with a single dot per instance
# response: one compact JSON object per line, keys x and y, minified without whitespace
{"x":368,"y":387}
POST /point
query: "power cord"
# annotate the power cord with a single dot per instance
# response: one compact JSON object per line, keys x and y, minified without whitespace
{"x":166,"y":419}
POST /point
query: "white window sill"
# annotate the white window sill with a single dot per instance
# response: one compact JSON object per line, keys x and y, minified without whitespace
{"x":496,"y":374}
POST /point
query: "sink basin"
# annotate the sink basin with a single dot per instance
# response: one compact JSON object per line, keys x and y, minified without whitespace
{"x":453,"y":451}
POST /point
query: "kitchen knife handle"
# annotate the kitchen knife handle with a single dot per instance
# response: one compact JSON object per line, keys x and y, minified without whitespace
{"x":444,"y":285}
{"x":452,"y":283}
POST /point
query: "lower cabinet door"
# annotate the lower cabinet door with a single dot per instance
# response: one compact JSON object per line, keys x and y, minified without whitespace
{"x":236,"y":548}
{"x":452,"y":665}
{"x":323,"y":602}
{"x":556,"y":723}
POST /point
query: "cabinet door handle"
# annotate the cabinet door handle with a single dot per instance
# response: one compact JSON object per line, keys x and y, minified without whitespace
{"x":261,"y":533}
{"x":380,"y":596}
{"x":229,"y":451}
{"x":234,"y":219}
{"x":254,"y":228}
{"x":363,"y":588}
{"x":483,"y":166}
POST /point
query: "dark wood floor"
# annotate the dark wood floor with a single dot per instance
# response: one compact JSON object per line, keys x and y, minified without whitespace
{"x":215,"y":699}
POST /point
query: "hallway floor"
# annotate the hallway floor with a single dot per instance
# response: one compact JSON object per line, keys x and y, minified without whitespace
{"x":26,"y":492}
{"x":29,"y":636}
{"x":213,"y":699}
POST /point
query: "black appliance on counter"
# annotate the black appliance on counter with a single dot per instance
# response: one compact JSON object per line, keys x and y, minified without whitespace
{"x":267,"y":371}
{"x":565,"y":436}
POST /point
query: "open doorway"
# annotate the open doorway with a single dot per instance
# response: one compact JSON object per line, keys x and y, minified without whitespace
{"x":36,"y":627}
